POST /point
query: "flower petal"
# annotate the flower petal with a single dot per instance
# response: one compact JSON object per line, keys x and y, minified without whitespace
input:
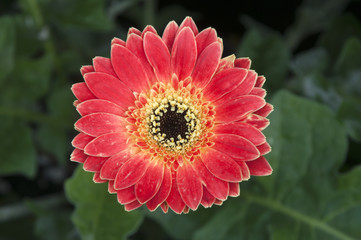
{"x":126,"y":195}
{"x":215,"y":186}
{"x":264,"y":148}
{"x":111,"y":167}
{"x":97,"y":106}
{"x":104,"y":65}
{"x":133,"y":30}
{"x":94,"y":164}
{"x":226,"y":63}
{"x":245,"y":130}
{"x":243,"y":63}
{"x":258,"y":92}
{"x":174,"y":200}
{"x":257,"y":121}
{"x":117,"y":41}
{"x":148,"y":186}
{"x":132,"y":206}
{"x":260,"y":81}
{"x":81,"y":140}
{"x":245,"y":170}
{"x":86,"y":69}
{"x":207,"y":198}
{"x":189,"y":186}
{"x":224,"y":82}
{"x":78,"y":156}
{"x":158,"y":56}
{"x":163,"y":191}
{"x":82,"y":92}
{"x":237,"y":109}
{"x":265,"y":110}
{"x":236,"y":147}
{"x":147,"y":29}
{"x":206,"y":65}
{"x":259,"y":167}
{"x":188,"y":22}
{"x":106,"y":145}
{"x":129,"y":68}
{"x":169,"y":34}
{"x":234,"y":190}
{"x":221,"y":165}
{"x":205,"y":38}
{"x":107,"y":87}
{"x":97,"y":124}
{"x":131,"y":171}
{"x":184,"y":54}
{"x":97,"y":179}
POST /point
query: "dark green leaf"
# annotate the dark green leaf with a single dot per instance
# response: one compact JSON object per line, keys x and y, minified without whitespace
{"x":98,"y":215}
{"x":350,"y":56}
{"x":7,"y":47}
{"x":350,"y":113}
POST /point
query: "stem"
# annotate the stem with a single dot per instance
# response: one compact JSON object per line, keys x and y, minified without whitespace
{"x":149,"y":12}
{"x":296,"y":215}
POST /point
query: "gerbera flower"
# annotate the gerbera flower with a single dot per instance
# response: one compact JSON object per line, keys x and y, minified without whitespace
{"x":167,"y":122}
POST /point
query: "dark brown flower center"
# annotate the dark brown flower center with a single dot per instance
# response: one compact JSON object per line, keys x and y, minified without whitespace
{"x":174,"y":124}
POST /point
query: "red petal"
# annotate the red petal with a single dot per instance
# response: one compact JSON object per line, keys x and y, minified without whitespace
{"x":236,"y":147}
{"x":118,"y":42}
{"x":147,"y":29}
{"x":189,"y":186}
{"x":164,"y":207}
{"x":86,"y":69}
{"x":81,"y":140}
{"x":184,"y":54}
{"x":221,"y":165}
{"x":131,"y":171}
{"x":243,"y":63}
{"x":82,"y":92}
{"x":134,"y":31}
{"x":132,"y":206}
{"x":111,"y":188}
{"x":97,"y":179}
{"x":259,"y":167}
{"x":169,"y":34}
{"x":224,"y":82}
{"x":97,"y":124}
{"x":217,"y":187}
{"x":163,"y":191}
{"x":111,"y":167}
{"x":126,"y":195}
{"x":129,"y":68}
{"x":226,"y":63}
{"x":245,"y":130}
{"x":234,"y":189}
{"x":264,"y":148}
{"x":149,"y":184}
{"x":104,"y":65}
{"x":188,"y":22}
{"x":158,"y":56}
{"x":107,"y":87}
{"x":257,"y":121}
{"x":107,"y":145}
{"x":245,"y":170}
{"x":207,"y":64}
{"x":99,"y":105}
{"x":260,"y":81}
{"x":205,"y":38}
{"x":258,"y":92}
{"x":174,"y":199}
{"x":265,"y":111}
{"x":135,"y":45}
{"x":207,"y":198}
{"x":93,"y":164}
{"x":237,"y":109}
{"x":78,"y":156}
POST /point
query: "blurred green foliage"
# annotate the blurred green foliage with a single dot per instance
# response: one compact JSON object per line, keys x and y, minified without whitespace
{"x":313,"y":70}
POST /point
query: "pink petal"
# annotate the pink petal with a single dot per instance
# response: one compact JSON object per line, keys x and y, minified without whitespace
{"x":86,"y":69}
{"x":188,"y":22}
{"x":118,"y":42}
{"x":131,"y":171}
{"x":258,"y":92}
{"x":129,"y":68}
{"x":189,"y":186}
{"x":264,"y":148}
{"x":97,"y":179}
{"x":226,"y":63}
{"x":126,"y":195}
{"x":260,"y":81}
{"x":243,"y":63}
{"x":236,"y":147}
{"x":135,"y":45}
{"x":111,"y":167}
{"x":93,"y":164}
{"x":184,"y":54}
{"x":215,"y":186}
{"x":132,"y":206}
{"x":158,"y":56}
{"x":259,"y":167}
{"x":265,"y":111}
{"x":98,"y":106}
{"x":81,"y":140}
{"x":205,"y":38}
{"x":163,"y":191}
{"x":237,"y":109}
{"x":169,"y":34}
{"x":78,"y":156}
{"x":234,"y":189}
{"x":82,"y":92}
{"x":111,"y":188}
{"x":107,"y":145}
{"x":245,"y":130}
{"x":147,"y":29}
{"x":174,"y":199}
{"x":257,"y":121}
{"x":109,"y":88}
{"x":206,"y":65}
{"x":221,"y":165}
{"x":164,"y":207}
{"x":245,"y":170}
{"x":148,"y":186}
{"x":133,"y":30}
{"x":207,"y":198}
{"x":224,"y":82}
{"x":104,"y":65}
{"x":97,"y":124}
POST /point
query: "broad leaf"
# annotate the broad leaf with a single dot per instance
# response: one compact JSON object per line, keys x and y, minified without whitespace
{"x":7,"y":47}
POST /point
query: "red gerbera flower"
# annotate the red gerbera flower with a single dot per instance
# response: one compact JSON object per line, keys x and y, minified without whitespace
{"x":167,"y":122}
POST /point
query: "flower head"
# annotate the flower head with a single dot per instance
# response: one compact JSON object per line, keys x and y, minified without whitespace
{"x":167,"y":122}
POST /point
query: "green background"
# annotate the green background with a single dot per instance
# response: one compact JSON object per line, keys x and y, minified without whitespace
{"x":310,"y":53}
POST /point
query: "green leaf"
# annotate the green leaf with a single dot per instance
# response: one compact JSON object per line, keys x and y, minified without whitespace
{"x":310,"y":62}
{"x":350,"y":113}
{"x":350,"y":56}
{"x":269,"y":54}
{"x":7,"y":47}
{"x":98,"y":215}
{"x":17,"y":151}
